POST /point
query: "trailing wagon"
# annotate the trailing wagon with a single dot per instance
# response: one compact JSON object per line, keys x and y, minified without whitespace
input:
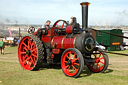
{"x":67,"y":44}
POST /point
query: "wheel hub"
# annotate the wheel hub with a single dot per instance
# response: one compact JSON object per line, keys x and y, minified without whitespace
{"x":28,"y":52}
{"x":97,"y":60}
{"x":69,"y":62}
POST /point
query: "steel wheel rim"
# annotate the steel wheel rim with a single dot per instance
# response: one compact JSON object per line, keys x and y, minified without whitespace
{"x":99,"y":63}
{"x":70,"y":63}
{"x":27,"y":53}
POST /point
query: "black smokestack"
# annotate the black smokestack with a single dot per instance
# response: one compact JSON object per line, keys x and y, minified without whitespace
{"x":84,"y":15}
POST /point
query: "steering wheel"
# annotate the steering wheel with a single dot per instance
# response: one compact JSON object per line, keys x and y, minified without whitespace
{"x":31,"y":30}
{"x":60,"y":24}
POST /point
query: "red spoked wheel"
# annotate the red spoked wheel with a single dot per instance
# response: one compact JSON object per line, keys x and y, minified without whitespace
{"x":101,"y":62}
{"x":72,"y":62}
{"x":30,"y":52}
{"x":60,"y":24}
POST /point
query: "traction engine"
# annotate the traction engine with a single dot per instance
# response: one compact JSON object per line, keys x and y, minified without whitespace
{"x":67,"y":44}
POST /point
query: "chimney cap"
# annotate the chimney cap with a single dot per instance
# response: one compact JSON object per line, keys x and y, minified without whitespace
{"x":84,"y":4}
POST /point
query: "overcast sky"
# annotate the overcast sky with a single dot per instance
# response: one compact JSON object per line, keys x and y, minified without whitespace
{"x":111,"y":12}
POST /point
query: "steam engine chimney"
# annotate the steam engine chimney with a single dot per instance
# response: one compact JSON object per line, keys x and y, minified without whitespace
{"x":84,"y":15}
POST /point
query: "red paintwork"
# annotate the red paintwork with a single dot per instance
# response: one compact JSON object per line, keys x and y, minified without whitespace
{"x":52,"y":55}
{"x":68,"y":43}
{"x":56,"y":51}
{"x":61,"y":42}
{"x":46,"y":38}
{"x":56,"y":41}
{"x":69,"y":29}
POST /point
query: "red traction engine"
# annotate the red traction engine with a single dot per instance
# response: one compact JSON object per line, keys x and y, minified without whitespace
{"x":69,"y":45}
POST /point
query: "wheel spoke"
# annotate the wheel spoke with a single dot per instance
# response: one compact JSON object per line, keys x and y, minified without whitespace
{"x":77,"y":59}
{"x":23,"y":58}
{"x":102,"y":58}
{"x":34,"y":55}
{"x":29,"y":44}
{"x":63,"y":25}
{"x":68,"y":57}
{"x":68,"y":68}
{"x":23,"y":52}
{"x":33,"y":50}
{"x":98,"y":65}
{"x":66,"y":61}
{"x":25,"y":45}
{"x":32,"y":61}
{"x":27,"y":61}
{"x":32,"y":44}
{"x":102,"y":62}
{"x":24,"y":62}
{"x":57,"y":25}
{"x":74,"y":69}
{"x":76,"y":64}
{"x":99,"y":55}
{"x":24,"y":48}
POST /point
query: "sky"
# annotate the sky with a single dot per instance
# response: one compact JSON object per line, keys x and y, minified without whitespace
{"x":101,"y":12}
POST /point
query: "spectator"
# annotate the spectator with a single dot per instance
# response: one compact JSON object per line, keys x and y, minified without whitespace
{"x":18,"y":41}
{"x":2,"y":46}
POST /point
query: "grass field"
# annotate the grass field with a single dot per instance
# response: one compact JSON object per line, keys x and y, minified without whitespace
{"x":11,"y":73}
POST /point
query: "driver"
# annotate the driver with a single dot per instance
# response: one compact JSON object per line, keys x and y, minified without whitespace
{"x":47,"y":25}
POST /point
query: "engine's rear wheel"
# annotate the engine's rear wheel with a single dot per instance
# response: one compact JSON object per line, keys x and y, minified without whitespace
{"x":31,"y":52}
{"x":72,"y":62}
{"x":101,"y":63}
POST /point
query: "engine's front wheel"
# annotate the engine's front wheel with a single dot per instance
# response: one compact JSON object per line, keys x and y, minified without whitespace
{"x":72,"y":62}
{"x":30,"y":52}
{"x":101,"y":62}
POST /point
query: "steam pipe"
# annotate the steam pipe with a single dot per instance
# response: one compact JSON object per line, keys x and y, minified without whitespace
{"x":84,"y":15}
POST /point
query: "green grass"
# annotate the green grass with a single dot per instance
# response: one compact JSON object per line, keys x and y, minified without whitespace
{"x":11,"y":73}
